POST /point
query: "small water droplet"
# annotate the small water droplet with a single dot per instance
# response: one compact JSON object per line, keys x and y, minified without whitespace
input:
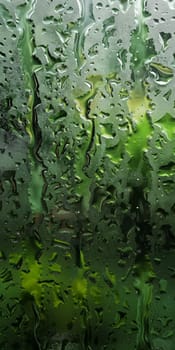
{"x":99,"y":5}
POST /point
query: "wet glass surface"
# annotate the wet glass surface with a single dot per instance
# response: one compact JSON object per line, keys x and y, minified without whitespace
{"x":87,"y":174}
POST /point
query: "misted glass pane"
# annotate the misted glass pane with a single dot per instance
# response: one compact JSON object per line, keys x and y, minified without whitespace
{"x":87,"y":174}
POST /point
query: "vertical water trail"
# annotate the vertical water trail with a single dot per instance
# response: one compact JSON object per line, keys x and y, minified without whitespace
{"x":139,"y":5}
{"x":142,"y":50}
{"x":139,"y":105}
{"x":26,"y":48}
{"x":86,"y":20}
{"x":144,"y":288}
{"x":139,"y":48}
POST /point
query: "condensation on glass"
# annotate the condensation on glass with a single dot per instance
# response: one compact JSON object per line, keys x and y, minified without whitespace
{"x":87,"y":174}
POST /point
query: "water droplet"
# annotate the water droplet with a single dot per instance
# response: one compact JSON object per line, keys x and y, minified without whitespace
{"x":162,"y":74}
{"x":99,"y":5}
